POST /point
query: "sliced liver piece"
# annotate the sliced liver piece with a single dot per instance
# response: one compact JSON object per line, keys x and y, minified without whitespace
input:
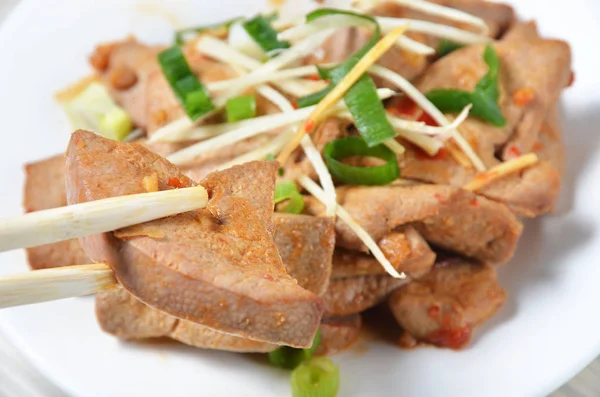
{"x":353,"y":295}
{"x":447,"y":217}
{"x":218,"y":266}
{"x":404,"y":247}
{"x":205,"y":338}
{"x":442,"y":307}
{"x":120,"y":314}
{"x":306,"y":245}
{"x":128,"y":56}
{"x":338,"y":334}
{"x":45,"y":189}
{"x":540,"y":66}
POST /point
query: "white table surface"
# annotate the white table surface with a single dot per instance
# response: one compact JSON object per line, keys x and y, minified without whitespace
{"x":19,"y":379}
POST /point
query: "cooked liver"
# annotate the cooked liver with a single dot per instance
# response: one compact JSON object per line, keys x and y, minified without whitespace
{"x":338,"y":333}
{"x":136,"y":58}
{"x":217,"y":267}
{"x":45,"y":189}
{"x":306,"y":245}
{"x":442,"y":307}
{"x":353,"y":295}
{"x":447,"y":217}
{"x":404,"y":247}
{"x":527,"y":62}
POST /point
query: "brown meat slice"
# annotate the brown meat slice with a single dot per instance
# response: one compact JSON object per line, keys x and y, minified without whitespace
{"x":353,"y":295}
{"x":528,"y":64}
{"x":448,"y":217}
{"x":132,"y":58}
{"x":404,"y":247}
{"x":306,"y":245}
{"x":442,"y":307}
{"x":44,"y":189}
{"x":219,"y":266}
{"x":205,"y":338}
{"x":338,"y":333}
{"x":119,"y":313}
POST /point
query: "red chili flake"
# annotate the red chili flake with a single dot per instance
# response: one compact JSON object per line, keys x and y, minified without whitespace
{"x":513,"y":152}
{"x":308,"y":126}
{"x":175,"y":182}
{"x":453,"y":338}
{"x":523,"y":96}
{"x":268,"y":277}
{"x":314,"y":77}
{"x":538,"y":146}
{"x":571,"y":79}
{"x":433,"y":311}
{"x":295,"y":105}
{"x":474,"y":202}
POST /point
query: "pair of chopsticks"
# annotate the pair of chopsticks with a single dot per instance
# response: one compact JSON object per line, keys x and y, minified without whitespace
{"x":79,"y":220}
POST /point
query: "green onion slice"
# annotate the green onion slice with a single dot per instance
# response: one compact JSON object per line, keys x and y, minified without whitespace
{"x":222,"y":27}
{"x":271,"y":157}
{"x":241,"y":108}
{"x":446,"y":47}
{"x":186,"y":86}
{"x":289,"y":358}
{"x":318,"y":377}
{"x":362,"y":100}
{"x":484,"y":98}
{"x":93,"y":109}
{"x":259,"y":28}
{"x":352,"y":175}
{"x":289,"y":191}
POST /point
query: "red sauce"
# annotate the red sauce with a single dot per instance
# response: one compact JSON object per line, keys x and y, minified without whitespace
{"x":433,"y":311}
{"x":453,"y":338}
{"x":427,"y":119}
{"x":405,"y":107}
{"x":175,"y":182}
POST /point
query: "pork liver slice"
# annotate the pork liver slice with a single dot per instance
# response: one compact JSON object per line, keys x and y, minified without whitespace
{"x":217,"y":267}
{"x":45,"y":189}
{"x":443,"y":306}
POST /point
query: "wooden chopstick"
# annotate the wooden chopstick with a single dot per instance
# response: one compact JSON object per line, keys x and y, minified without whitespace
{"x":53,"y":284}
{"x":64,"y":223}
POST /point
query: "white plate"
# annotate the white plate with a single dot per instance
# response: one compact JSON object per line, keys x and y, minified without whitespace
{"x":548,"y":330}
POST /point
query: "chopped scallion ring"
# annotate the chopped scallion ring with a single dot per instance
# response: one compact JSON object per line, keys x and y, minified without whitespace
{"x":240,"y":108}
{"x":186,"y":86}
{"x":259,"y":28}
{"x":352,"y":175}
{"x":93,"y":109}
{"x":289,"y":191}
{"x":318,"y":377}
{"x":217,"y":28}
